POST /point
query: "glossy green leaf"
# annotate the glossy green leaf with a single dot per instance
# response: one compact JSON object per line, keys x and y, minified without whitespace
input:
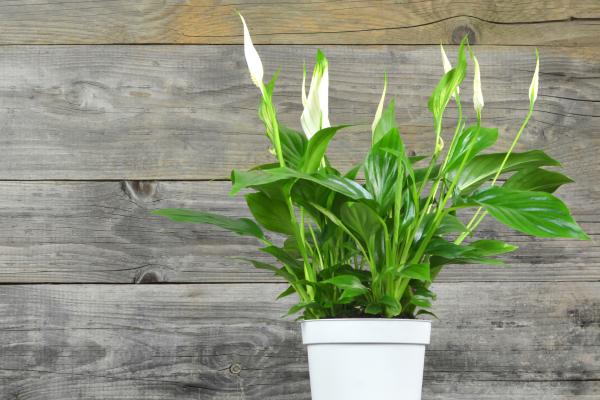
{"x":490,"y":247}
{"x":416,"y":271}
{"x":420,"y":302}
{"x":537,"y":179}
{"x":271,"y":213}
{"x":392,"y":306}
{"x":346,"y":282}
{"x":470,"y":142}
{"x":241,"y":226}
{"x":374,"y":309}
{"x":450,"y":224}
{"x":484,"y":167}
{"x":535,"y":213}
{"x":253,"y":178}
{"x":386,"y":123}
{"x":316,"y":148}
{"x":293,"y":146}
{"x":278,"y":271}
{"x":285,"y":258}
{"x":362,"y":220}
{"x":338,"y":184}
{"x":443,"y":248}
{"x":382,"y":169}
{"x":350,"y":284}
{"x":447,"y":86}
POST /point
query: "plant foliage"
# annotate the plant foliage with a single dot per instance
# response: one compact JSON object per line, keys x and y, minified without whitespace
{"x":372,"y":246}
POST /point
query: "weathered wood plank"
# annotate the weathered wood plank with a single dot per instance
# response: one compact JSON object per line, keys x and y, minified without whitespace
{"x":494,"y":341}
{"x":189,"y":112}
{"x":103,"y":232}
{"x":564,"y":22}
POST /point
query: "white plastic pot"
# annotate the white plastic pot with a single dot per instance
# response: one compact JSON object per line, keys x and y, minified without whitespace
{"x":366,"y":359}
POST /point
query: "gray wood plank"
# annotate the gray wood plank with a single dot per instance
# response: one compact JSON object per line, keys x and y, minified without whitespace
{"x":102,"y":232}
{"x":561,"y":22}
{"x":189,"y":112}
{"x":494,"y":341}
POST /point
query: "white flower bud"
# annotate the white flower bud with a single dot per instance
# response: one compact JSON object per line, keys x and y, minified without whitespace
{"x":252,"y":59}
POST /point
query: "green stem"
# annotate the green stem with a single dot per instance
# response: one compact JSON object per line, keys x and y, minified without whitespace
{"x":476,"y":219}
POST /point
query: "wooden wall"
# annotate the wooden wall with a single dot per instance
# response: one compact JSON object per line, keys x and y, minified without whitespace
{"x":112,"y":108}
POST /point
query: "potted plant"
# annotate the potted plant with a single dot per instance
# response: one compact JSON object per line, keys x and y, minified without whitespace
{"x":360,"y":248}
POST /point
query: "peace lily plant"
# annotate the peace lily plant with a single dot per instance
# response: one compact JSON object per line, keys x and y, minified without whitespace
{"x":371,"y":247}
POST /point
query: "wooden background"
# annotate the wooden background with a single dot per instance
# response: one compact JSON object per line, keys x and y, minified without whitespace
{"x":112,"y":108}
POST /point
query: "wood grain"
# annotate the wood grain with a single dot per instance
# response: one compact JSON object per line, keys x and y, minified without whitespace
{"x":66,"y":232}
{"x":553,"y":22}
{"x":190,"y":112}
{"x":227,"y":342}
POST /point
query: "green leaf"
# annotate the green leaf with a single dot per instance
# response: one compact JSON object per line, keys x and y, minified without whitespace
{"x":299,"y":307}
{"x":285,"y":258}
{"x":450,"y":224}
{"x":362,"y":220}
{"x":346,"y":282}
{"x":392,"y":306}
{"x":349,"y":294}
{"x":382,"y":169}
{"x":386,"y":123}
{"x":443,"y":248}
{"x":293,"y":146}
{"x":317,"y":145}
{"x":241,"y":226}
{"x":535,"y":213}
{"x":276,"y":270}
{"x":339,"y":184}
{"x":484,"y":167}
{"x":351,"y":174}
{"x":416,"y":271}
{"x":479,"y":138}
{"x":253,"y":178}
{"x":374,"y":309}
{"x":287,"y":292}
{"x":420,"y":302}
{"x":350,"y":284}
{"x":273,"y":214}
{"x":490,"y":247}
{"x":537,"y":179}
{"x":425,"y":312}
{"x":447,"y":86}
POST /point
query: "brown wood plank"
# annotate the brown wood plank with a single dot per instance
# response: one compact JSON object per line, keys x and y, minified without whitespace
{"x":554,"y":22}
{"x":494,"y":341}
{"x":190,"y":112}
{"x":102,"y":232}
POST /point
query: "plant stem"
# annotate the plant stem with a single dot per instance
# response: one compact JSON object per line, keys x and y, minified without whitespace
{"x":476,"y":219}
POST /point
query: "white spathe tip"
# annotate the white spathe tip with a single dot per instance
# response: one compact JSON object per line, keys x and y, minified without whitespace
{"x":252,"y":58}
{"x":535,"y":81}
{"x":447,"y":65}
{"x":445,"y":60}
{"x":477,"y":93}
{"x":316,"y":104}
{"x":380,"y":105}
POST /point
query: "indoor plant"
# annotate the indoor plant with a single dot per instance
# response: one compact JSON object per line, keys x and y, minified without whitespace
{"x":360,"y":248}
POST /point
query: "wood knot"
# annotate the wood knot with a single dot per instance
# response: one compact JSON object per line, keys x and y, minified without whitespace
{"x":140,"y":190}
{"x":150,"y":274}
{"x":461,"y":31}
{"x":235,"y":368}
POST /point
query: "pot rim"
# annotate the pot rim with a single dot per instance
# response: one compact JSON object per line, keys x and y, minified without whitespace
{"x":366,"y":319}
{"x":366,"y":331}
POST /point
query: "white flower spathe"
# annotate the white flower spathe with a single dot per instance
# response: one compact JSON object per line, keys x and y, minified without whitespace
{"x":380,"y":105}
{"x":535,"y":81}
{"x":252,"y":59}
{"x":477,"y":93}
{"x":316,"y":104}
{"x":447,"y":65}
